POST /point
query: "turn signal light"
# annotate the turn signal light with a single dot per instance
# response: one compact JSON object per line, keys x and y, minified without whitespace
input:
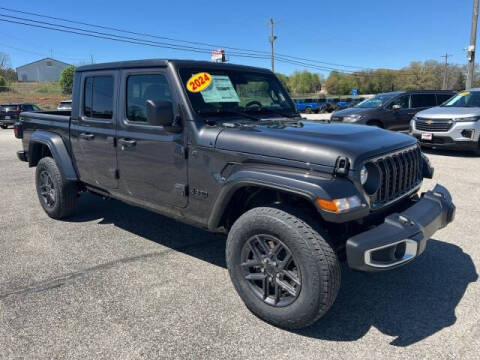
{"x":339,"y":205}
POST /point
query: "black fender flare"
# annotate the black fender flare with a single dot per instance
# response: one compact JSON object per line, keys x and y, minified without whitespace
{"x":300,"y":183}
{"x":57,"y":148}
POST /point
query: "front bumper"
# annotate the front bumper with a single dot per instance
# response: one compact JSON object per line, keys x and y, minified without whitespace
{"x":461,"y":136}
{"x":402,"y":237}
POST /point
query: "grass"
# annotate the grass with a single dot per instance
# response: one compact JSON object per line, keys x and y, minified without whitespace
{"x":47,"y":95}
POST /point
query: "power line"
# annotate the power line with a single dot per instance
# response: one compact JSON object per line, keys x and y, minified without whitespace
{"x":137,"y":41}
{"x":177,"y":40}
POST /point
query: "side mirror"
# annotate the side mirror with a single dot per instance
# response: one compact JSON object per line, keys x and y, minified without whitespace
{"x":396,"y":107}
{"x":160,"y":112}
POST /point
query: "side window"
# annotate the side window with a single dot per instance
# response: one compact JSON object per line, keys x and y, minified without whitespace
{"x":403,"y":101}
{"x":102,"y":97}
{"x":441,"y":98}
{"x":423,"y":100}
{"x":98,"y":97}
{"x":87,"y":97}
{"x":141,"y":88}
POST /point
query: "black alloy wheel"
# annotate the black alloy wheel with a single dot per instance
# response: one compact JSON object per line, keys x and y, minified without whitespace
{"x":47,"y":189}
{"x":271,"y":271}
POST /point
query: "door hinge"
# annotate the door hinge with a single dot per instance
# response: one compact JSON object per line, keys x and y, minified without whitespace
{"x":181,"y":189}
{"x":114,"y":173}
{"x":181,"y":151}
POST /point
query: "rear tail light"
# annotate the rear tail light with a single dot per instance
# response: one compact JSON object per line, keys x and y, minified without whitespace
{"x":17,"y":129}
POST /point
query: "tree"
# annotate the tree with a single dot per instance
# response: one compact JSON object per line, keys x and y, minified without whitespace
{"x":66,"y":79}
{"x":284,"y":80}
{"x":3,"y":84}
{"x":304,"y":82}
{"x":5,"y":61}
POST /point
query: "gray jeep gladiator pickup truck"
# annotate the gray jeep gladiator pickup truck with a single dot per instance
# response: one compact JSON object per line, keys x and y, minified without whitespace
{"x":222,"y":147}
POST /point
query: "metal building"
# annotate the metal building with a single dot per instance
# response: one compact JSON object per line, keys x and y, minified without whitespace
{"x":47,"y":69}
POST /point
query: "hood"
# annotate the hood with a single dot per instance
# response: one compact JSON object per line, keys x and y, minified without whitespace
{"x":443,"y":112}
{"x":353,"y":110}
{"x":311,"y":142}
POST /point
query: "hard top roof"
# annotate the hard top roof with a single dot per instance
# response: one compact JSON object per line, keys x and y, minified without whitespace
{"x":164,"y":62}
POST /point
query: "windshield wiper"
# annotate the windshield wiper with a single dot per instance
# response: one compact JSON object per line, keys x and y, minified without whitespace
{"x":228,"y":112}
{"x":263,"y":110}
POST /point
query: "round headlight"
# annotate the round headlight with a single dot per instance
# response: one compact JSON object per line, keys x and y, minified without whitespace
{"x":363,"y":175}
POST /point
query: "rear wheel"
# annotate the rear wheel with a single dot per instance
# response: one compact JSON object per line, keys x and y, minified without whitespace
{"x":57,"y":196}
{"x":308,"y":110}
{"x":285,"y":272}
{"x":4,"y":126}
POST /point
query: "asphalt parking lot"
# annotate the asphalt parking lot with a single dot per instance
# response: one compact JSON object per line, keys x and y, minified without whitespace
{"x":121,"y":282}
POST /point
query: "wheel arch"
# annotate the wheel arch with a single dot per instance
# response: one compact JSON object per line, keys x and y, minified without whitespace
{"x":376,"y":122}
{"x":44,"y":143}
{"x":251,"y":188}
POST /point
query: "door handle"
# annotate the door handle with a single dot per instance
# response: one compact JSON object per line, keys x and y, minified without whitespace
{"x":127,"y":143}
{"x":87,"y":136}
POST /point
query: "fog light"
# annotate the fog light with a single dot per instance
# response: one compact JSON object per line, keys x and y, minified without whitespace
{"x":340,"y":205}
{"x":468,"y":133}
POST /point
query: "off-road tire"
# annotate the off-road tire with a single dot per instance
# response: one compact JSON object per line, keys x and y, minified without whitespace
{"x":319,"y":266}
{"x":65,"y":191}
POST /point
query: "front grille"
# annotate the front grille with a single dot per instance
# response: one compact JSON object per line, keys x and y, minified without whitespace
{"x":442,"y":125}
{"x":400,"y":173}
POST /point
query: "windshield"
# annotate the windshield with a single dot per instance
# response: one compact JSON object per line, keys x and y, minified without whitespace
{"x":375,"y":102}
{"x":464,"y":99}
{"x":232,"y":92}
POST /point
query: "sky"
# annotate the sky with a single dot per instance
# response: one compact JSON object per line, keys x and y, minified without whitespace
{"x":360,"y":33}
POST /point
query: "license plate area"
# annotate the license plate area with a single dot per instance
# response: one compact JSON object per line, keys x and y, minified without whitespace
{"x":427,"y":136}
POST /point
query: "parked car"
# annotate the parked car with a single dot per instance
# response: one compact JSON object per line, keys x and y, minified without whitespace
{"x":346,"y":103}
{"x":65,"y":105}
{"x":9,"y":112}
{"x":392,"y":110}
{"x":221,"y":147}
{"x":453,"y":125}
{"x":330,"y":105}
{"x":309,"y":105}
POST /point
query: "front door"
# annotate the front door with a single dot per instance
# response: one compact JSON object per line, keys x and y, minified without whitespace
{"x":93,"y":130}
{"x":151,"y":160}
{"x":399,"y":115}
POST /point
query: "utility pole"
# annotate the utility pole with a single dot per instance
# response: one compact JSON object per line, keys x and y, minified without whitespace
{"x":471,"y":47}
{"x":445,"y":72}
{"x":272,"y":38}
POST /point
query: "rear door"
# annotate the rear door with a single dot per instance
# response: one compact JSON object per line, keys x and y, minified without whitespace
{"x":93,"y":132}
{"x":151,"y":160}
{"x":423,"y":101}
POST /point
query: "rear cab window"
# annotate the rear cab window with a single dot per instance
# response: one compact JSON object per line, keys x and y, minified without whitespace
{"x":98,"y":97}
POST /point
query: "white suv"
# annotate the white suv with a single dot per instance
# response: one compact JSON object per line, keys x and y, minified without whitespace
{"x":454,"y":124}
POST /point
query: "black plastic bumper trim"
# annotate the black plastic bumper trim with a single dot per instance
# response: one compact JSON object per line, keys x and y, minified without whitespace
{"x":419,"y":222}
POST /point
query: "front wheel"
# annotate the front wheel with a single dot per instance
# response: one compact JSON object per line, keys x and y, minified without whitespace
{"x":285,"y":272}
{"x":4,"y":126}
